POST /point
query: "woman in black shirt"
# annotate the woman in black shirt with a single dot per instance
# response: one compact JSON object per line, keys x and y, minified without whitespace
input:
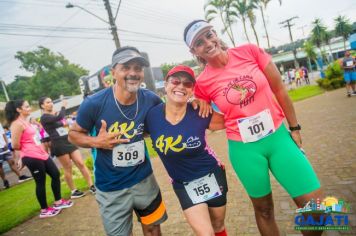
{"x":55,"y":125}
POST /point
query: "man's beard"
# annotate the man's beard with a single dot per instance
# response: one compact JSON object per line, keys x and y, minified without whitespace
{"x":132,"y":88}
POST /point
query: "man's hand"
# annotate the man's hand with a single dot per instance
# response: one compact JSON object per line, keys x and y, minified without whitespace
{"x":297,"y":137}
{"x":204,"y":107}
{"x":105,"y":140}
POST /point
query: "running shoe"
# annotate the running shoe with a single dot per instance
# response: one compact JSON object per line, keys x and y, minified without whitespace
{"x":77,"y":194}
{"x":63,"y":204}
{"x":92,"y":189}
{"x":6,"y":184}
{"x":49,"y":212}
{"x":23,"y":178}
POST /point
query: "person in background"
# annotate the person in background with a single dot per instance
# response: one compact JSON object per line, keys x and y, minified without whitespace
{"x":25,"y":138}
{"x":55,"y":126}
{"x":349,"y":66}
{"x":7,"y":154}
{"x":306,"y":75}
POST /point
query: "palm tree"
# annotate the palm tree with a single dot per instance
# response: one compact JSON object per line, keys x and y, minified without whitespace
{"x":327,"y":38}
{"x":318,"y":33}
{"x":308,"y":48}
{"x":343,"y":28}
{"x":221,"y":8}
{"x":241,"y":11}
{"x":263,"y":6}
{"x":252,"y":17}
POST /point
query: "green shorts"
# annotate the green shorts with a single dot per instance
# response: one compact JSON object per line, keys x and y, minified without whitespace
{"x":279,"y":154}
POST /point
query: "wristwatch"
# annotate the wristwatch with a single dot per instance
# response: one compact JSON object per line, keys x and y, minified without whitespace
{"x":298,"y":127}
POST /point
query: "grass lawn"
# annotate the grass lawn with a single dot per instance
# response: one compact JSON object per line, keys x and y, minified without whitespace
{"x":19,"y":203}
{"x":305,"y":92}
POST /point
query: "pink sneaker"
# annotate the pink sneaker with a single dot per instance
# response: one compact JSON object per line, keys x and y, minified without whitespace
{"x":49,"y":212}
{"x":63,"y":204}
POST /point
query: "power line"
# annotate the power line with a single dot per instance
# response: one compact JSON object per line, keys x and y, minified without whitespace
{"x":80,"y":37}
{"x":79,"y":30}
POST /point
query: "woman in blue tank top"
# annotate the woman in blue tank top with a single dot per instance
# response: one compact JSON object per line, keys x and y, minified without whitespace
{"x":178,"y":136}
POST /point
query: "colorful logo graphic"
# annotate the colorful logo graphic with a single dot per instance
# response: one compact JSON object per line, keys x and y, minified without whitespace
{"x":241,"y":91}
{"x":106,"y":77}
{"x":328,"y":214}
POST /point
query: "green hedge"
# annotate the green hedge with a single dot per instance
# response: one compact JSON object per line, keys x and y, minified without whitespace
{"x":334,"y":77}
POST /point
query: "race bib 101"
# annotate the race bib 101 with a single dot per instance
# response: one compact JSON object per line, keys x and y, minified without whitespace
{"x":256,"y":127}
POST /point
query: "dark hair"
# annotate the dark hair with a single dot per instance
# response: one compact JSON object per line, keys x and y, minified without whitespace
{"x":117,"y":51}
{"x":11,"y":113}
{"x":41,"y":101}
{"x":188,"y":27}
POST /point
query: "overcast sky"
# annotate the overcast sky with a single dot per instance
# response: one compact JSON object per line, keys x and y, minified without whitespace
{"x":153,"y":26}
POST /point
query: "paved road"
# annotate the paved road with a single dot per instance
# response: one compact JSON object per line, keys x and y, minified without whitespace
{"x":328,"y":122}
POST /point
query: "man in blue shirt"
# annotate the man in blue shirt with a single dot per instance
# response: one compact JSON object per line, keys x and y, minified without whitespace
{"x":123,"y":172}
{"x":349,"y":65}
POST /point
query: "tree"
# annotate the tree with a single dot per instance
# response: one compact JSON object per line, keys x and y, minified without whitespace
{"x":53,"y":75}
{"x":241,"y":11}
{"x":343,"y":28}
{"x":166,"y":67}
{"x":308,"y":48}
{"x":318,"y":33}
{"x":222,"y":8}
{"x":20,"y":88}
{"x":327,"y":38}
{"x":263,"y":6}
{"x":252,"y":17}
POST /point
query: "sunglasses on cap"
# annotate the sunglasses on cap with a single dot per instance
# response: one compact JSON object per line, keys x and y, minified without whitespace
{"x":177,"y":81}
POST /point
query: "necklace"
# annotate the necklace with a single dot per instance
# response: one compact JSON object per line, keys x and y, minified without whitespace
{"x":118,"y":106}
{"x":175,"y":119}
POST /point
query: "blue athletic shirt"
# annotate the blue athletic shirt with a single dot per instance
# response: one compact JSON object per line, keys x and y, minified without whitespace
{"x":181,"y":147}
{"x":101,"y":106}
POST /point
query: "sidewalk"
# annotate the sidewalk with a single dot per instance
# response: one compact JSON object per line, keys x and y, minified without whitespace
{"x":328,"y":128}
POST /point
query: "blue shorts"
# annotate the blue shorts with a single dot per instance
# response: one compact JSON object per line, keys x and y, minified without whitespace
{"x":349,"y":76}
{"x":5,"y":155}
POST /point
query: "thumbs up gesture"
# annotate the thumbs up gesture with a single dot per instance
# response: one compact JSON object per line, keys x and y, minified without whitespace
{"x":107,"y":140}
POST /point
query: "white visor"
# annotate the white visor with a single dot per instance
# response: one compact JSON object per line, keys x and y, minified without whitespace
{"x":194,"y":31}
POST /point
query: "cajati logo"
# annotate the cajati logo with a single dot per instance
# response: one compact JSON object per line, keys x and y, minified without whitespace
{"x":327,"y":214}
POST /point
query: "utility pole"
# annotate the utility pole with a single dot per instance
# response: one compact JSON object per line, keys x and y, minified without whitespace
{"x":285,"y":24}
{"x":112,"y":24}
{"x":4,"y":89}
{"x":302,"y":28}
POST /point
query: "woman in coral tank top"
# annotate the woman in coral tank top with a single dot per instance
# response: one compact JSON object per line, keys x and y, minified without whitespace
{"x":26,"y":139}
{"x":247,"y":88}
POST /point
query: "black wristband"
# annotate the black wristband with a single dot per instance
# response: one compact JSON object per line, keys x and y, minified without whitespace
{"x":298,"y":127}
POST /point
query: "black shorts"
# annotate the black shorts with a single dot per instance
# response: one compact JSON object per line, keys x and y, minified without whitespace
{"x":185,"y":200}
{"x":62,"y":146}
